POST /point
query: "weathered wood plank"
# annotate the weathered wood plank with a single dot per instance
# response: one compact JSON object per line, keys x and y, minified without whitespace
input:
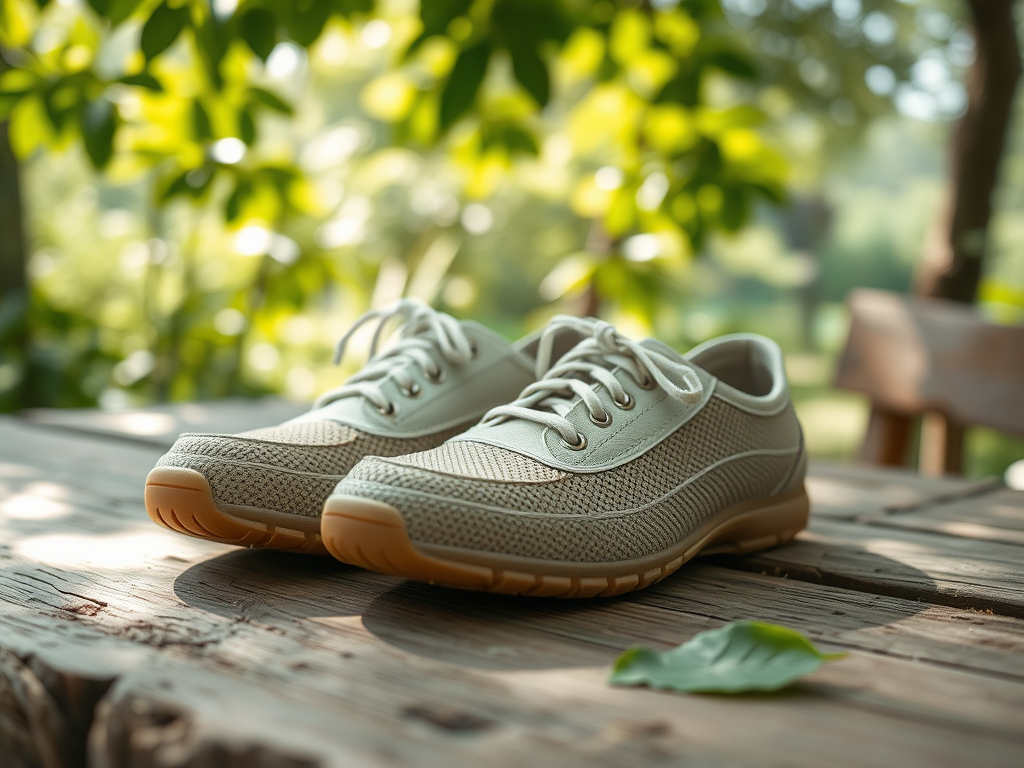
{"x":847,"y":491}
{"x":995,"y":516}
{"x":945,"y":570}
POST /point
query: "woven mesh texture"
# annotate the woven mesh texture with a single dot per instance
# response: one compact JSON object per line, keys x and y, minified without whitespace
{"x":254,"y":471}
{"x":441,"y":508}
{"x":582,"y":538}
{"x":481,"y":462}
{"x":305,"y":433}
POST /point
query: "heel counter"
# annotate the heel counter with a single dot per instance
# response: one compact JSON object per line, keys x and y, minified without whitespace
{"x":795,"y":478}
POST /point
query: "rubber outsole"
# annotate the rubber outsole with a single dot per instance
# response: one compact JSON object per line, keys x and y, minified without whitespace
{"x":181,"y":500}
{"x":373,"y":535}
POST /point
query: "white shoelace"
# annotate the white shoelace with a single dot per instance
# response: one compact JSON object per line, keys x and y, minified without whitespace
{"x":425,"y":332}
{"x":587,"y":365}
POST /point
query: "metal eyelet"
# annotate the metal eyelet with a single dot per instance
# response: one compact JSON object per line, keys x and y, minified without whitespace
{"x":607,"y":422}
{"x":578,"y":446}
{"x":648,"y":384}
{"x":435,"y":377}
{"x":413,"y":391}
{"x":388,"y":410}
{"x":625,"y":405}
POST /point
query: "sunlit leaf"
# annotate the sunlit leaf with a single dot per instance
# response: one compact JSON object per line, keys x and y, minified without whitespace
{"x":99,"y":124}
{"x":236,"y":200}
{"x":259,"y":30}
{"x":460,"y":91}
{"x":741,"y":656}
{"x":270,"y":100}
{"x":162,"y":29}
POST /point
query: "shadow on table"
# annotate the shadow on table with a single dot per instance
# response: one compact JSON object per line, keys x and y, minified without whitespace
{"x":261,"y":584}
{"x":499,"y":632}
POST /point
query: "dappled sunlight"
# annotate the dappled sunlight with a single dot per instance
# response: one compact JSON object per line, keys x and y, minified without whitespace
{"x":115,"y":551}
{"x":30,"y":506}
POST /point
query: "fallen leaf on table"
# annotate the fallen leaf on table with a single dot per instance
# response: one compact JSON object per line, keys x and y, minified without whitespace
{"x":742,"y":656}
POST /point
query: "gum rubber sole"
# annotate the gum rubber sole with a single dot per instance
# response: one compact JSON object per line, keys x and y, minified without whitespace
{"x":181,"y":499}
{"x":373,"y":535}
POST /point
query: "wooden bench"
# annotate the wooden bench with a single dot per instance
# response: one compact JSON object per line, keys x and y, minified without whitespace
{"x":123,"y":645}
{"x":937,"y":360}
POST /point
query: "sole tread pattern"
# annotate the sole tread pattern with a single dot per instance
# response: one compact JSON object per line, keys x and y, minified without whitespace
{"x":373,"y":535}
{"x":182,"y":501}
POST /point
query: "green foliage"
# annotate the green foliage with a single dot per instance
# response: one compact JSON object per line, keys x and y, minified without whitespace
{"x":739,"y":657}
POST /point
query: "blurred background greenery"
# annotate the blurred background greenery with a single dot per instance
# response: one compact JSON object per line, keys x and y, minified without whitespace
{"x":213,"y":192}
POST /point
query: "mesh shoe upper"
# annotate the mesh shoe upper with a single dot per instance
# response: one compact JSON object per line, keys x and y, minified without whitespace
{"x":290,"y":468}
{"x":481,"y":497}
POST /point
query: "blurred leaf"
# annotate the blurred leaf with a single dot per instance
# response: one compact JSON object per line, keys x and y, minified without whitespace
{"x":306,"y":20}
{"x":162,"y":29}
{"x":531,"y":72}
{"x":119,"y":10}
{"x":17,"y":22}
{"x":99,"y":124}
{"x":268,"y":99}
{"x":463,"y":83}
{"x":436,"y":16}
{"x":236,"y":200}
{"x":143,"y":80}
{"x":246,"y":126}
{"x":29,"y":127}
{"x":741,"y":656}
{"x":201,"y":127}
{"x":733,"y":62}
{"x":259,"y":30}
{"x":212,"y":42}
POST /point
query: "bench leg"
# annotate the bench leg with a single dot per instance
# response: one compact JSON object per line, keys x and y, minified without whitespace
{"x":887,"y":440}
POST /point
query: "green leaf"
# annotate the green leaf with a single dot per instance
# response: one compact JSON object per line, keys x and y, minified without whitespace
{"x":118,"y":11}
{"x":306,"y":20}
{"x":531,"y":72}
{"x":259,"y":30}
{"x":201,"y":127}
{"x":143,"y":80}
{"x":212,"y":44}
{"x":162,"y":29}
{"x":246,"y":126}
{"x":233,"y":206}
{"x":99,"y":124}
{"x":460,"y":91}
{"x":436,"y":15}
{"x":270,"y":100}
{"x":741,"y":656}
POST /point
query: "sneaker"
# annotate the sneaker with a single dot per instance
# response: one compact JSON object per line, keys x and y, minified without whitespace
{"x":623,"y":462}
{"x":266,"y":488}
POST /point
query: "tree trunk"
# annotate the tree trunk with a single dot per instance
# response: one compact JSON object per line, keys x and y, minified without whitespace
{"x":951,"y":266}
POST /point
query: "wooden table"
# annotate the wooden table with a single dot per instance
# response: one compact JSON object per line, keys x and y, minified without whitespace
{"x":123,"y":645}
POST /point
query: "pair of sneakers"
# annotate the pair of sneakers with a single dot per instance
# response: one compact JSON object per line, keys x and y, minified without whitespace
{"x":573,"y":463}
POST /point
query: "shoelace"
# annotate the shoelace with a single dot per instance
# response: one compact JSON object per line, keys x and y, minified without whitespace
{"x":588,"y":364}
{"x":424,"y":333}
